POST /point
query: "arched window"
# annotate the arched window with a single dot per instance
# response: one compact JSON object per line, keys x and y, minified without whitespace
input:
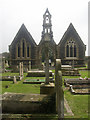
{"x":18,"y":51}
{"x":28,"y":51}
{"x":71,"y":48}
{"x":71,"y":51}
{"x":48,"y":30}
{"x":75,"y":51}
{"x":67,"y":51}
{"x":47,"y":20}
{"x":23,"y":49}
{"x":45,"y":30}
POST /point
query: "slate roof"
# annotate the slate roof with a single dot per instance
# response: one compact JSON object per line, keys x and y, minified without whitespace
{"x":71,"y":32}
{"x":23,"y":33}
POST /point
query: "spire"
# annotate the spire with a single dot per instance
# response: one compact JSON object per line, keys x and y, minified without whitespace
{"x":47,"y":13}
{"x":47,"y":25}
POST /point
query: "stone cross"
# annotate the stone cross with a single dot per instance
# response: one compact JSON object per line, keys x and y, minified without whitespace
{"x":59,"y":90}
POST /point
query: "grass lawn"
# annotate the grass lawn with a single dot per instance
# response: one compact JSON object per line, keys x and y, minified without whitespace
{"x":19,"y":87}
{"x":77,"y":103}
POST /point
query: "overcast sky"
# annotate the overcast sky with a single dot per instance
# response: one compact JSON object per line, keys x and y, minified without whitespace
{"x":13,"y":13}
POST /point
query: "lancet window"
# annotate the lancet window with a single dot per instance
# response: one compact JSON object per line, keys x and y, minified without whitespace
{"x":71,"y":48}
{"x":28,"y":52}
{"x":18,"y":50}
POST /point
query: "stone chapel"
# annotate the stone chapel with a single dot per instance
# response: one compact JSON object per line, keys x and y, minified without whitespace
{"x":24,"y":48}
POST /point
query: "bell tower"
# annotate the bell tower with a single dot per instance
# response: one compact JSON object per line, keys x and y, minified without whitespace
{"x":47,"y":25}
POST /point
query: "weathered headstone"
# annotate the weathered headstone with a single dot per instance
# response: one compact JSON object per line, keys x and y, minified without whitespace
{"x":14,"y":80}
{"x":29,"y":65}
{"x":57,"y":67}
{"x":21,"y":70}
{"x":59,"y":90}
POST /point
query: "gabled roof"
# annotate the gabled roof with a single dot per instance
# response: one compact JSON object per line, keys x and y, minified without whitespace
{"x":71,"y":31}
{"x":23,"y":32}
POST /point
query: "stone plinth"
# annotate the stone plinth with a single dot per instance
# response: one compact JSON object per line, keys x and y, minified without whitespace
{"x":47,"y":88}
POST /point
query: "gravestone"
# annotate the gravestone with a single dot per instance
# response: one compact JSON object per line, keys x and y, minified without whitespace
{"x":59,"y":90}
{"x":29,"y":65}
{"x":21,"y":70}
{"x":14,"y":80}
{"x":57,"y":67}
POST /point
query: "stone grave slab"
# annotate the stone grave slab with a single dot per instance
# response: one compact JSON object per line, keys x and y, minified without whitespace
{"x":70,"y":72}
{"x":38,"y":73}
{"x":9,"y":78}
{"x":76,"y":81}
{"x":36,"y":81}
{"x":78,"y":85}
{"x":21,"y":103}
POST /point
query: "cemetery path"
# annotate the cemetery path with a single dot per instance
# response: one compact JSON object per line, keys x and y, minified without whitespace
{"x":69,"y":111}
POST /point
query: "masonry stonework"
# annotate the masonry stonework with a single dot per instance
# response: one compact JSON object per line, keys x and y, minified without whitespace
{"x":23,"y":48}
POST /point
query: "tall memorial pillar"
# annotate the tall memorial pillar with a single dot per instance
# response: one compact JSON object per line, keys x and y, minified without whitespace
{"x":47,"y":63}
{"x":47,"y":87}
